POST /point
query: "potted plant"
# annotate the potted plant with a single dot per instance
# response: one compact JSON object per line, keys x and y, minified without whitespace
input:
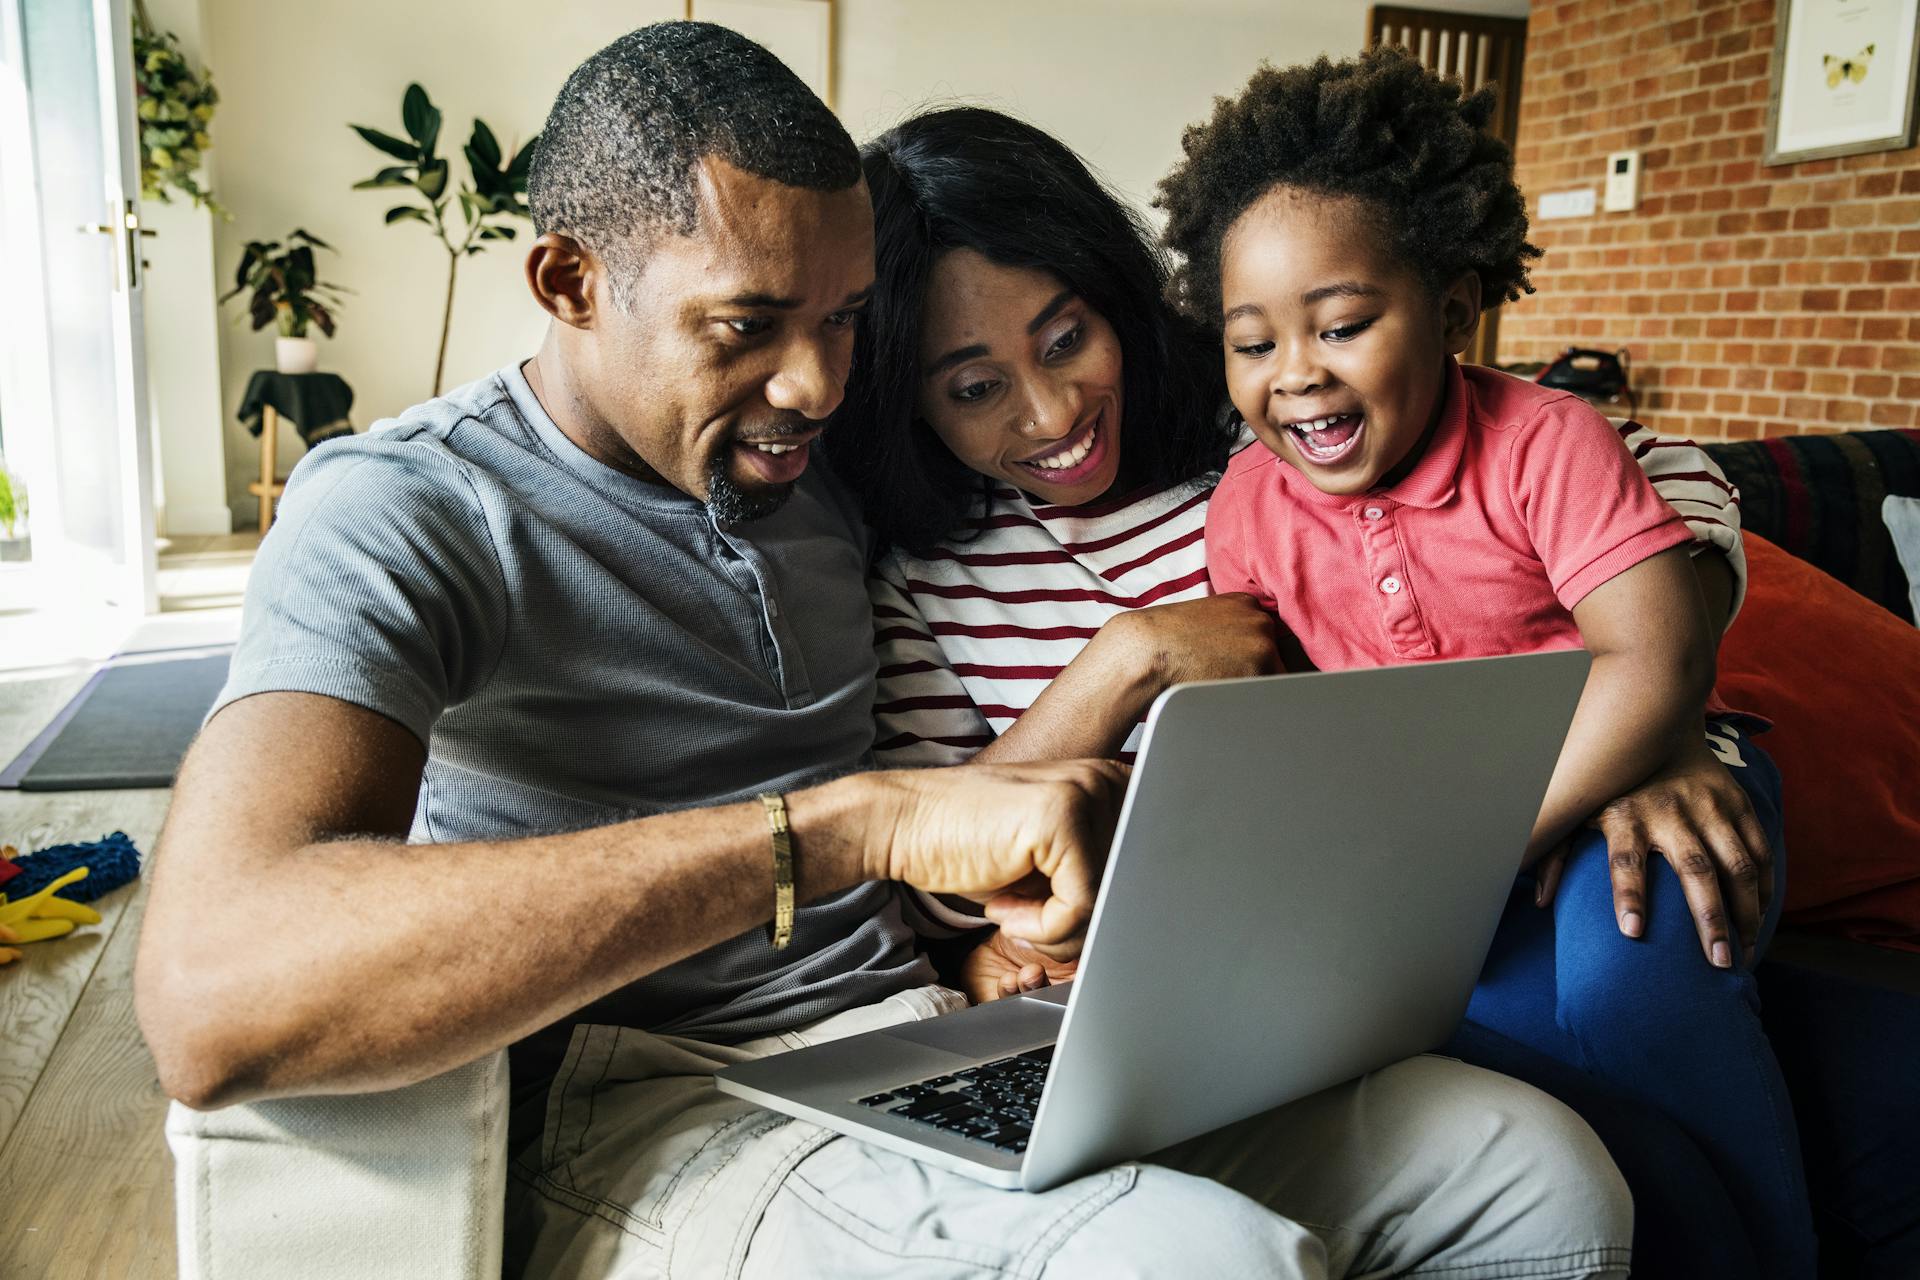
{"x":175,"y":107}
{"x":14,"y":542}
{"x":287,"y":289}
{"x":499,"y":190}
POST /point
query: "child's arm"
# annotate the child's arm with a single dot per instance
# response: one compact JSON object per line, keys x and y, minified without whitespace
{"x":1653,"y":667}
{"x":1579,"y":491}
{"x":1652,"y":671}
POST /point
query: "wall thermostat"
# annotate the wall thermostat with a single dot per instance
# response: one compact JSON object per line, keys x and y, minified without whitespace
{"x":1623,"y":182}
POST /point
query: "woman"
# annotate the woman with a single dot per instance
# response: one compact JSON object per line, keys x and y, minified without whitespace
{"x":1033,"y":434}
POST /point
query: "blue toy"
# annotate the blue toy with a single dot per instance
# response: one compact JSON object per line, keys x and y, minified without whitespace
{"x":113,"y":862}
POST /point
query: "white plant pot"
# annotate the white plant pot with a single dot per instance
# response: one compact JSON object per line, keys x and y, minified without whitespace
{"x":296,"y":355}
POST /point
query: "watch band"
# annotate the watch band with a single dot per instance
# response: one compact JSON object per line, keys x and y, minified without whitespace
{"x":781,"y":930}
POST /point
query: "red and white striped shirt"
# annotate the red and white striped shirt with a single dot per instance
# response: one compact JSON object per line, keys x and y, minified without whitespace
{"x":968,"y":636}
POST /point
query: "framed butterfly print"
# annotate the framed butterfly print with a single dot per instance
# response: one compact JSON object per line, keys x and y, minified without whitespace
{"x":1844,"y":78}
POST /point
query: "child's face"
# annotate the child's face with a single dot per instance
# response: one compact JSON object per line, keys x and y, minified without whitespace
{"x":1335,"y":353}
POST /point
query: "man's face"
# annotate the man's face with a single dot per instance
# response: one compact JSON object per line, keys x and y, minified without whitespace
{"x":735,"y":340}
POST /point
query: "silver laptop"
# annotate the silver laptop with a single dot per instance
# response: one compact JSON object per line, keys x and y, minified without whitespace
{"x":1305,"y":880}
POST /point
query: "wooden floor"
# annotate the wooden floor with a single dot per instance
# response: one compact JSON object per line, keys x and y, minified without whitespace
{"x":86,"y":1182}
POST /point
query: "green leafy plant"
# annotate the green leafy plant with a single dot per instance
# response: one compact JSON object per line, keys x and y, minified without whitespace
{"x":13,"y":501}
{"x":174,"y":105}
{"x":286,"y":286}
{"x":498,"y":192}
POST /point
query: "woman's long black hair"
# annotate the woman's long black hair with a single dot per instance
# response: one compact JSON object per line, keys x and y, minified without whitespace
{"x":967,"y":177}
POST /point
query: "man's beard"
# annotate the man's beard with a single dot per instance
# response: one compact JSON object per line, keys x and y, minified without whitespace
{"x":730,"y":503}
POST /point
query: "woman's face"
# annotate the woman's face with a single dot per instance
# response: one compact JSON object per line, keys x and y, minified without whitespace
{"x":1020,"y":378}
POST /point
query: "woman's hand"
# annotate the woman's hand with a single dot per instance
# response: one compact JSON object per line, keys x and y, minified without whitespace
{"x":1693,"y":814}
{"x":1002,"y":966}
{"x":1216,"y":638}
{"x":1090,"y":708}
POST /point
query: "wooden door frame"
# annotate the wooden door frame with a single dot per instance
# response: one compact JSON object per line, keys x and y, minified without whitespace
{"x":1505,"y":55}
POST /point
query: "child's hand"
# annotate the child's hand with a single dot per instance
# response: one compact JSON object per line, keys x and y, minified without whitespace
{"x":1001,"y":966}
{"x":1692,"y":813}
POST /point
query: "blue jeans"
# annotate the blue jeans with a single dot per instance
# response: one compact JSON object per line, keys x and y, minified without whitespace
{"x":1651,"y":1022}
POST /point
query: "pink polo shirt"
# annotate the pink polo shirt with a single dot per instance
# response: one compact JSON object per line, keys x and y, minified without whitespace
{"x":1525,"y":501}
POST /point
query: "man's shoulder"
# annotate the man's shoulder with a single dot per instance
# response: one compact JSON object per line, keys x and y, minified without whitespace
{"x":839,"y":506}
{"x":386,"y":498}
{"x":460,"y":423}
{"x":440,"y":445}
{"x":387,"y":471}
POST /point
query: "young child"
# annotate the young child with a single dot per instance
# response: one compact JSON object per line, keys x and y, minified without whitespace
{"x":1344,"y":225}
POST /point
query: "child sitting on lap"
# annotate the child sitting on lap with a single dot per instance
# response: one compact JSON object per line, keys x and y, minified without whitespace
{"x":1344,"y":225}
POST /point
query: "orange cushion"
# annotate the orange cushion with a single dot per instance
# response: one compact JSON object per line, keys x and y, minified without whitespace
{"x":1840,"y":678}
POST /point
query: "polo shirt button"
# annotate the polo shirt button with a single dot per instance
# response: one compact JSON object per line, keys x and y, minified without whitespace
{"x":1374,"y":513}
{"x":1390,"y":585}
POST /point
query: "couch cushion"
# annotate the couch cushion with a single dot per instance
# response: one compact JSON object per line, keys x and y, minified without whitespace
{"x":1840,"y":679}
{"x":410,"y":1183}
{"x":1819,"y":497}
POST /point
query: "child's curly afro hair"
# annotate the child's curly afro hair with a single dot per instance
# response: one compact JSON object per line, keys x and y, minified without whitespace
{"x":1379,"y":127}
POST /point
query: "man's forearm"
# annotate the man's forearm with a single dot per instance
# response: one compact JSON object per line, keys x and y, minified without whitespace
{"x":293,"y":944}
{"x":372,"y":964}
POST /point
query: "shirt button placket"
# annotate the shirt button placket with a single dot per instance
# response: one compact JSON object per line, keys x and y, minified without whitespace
{"x":1401,"y":620}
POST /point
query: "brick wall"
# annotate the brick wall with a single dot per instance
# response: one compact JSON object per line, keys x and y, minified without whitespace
{"x":1753,"y":300}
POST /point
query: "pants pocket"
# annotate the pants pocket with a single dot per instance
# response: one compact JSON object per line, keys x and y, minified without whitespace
{"x":851,"y":1211}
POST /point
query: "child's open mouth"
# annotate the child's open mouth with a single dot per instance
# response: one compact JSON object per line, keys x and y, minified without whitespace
{"x":1327,"y":440}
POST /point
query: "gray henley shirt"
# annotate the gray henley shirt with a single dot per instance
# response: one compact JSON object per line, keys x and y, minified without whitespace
{"x":577,"y":647}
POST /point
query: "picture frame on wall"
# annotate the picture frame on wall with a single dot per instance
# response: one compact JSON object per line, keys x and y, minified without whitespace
{"x":798,"y":32}
{"x":1844,"y":78}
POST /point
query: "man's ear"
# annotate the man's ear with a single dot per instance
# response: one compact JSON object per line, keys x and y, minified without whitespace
{"x":1460,"y":312}
{"x":561,"y":273}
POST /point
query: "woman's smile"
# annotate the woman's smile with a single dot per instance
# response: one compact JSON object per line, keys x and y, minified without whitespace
{"x":1073,"y":459}
{"x":1021,"y":378}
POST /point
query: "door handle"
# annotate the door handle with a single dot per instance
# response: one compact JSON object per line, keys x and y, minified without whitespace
{"x":132,"y":229}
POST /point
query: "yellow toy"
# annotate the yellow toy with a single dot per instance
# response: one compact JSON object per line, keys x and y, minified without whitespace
{"x":43,"y":916}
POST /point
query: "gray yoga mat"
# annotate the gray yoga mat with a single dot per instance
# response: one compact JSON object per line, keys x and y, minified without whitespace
{"x":127,"y":728}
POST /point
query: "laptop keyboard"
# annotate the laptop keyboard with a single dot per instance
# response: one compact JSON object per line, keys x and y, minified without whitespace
{"x":991,"y":1103}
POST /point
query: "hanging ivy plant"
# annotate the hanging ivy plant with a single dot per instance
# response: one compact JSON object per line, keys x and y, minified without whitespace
{"x":175,"y":105}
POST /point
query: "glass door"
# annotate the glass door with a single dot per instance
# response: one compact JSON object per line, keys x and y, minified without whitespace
{"x":73,"y":402}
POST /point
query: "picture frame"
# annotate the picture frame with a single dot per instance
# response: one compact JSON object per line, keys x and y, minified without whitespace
{"x":1844,"y":78}
{"x":801,"y":33}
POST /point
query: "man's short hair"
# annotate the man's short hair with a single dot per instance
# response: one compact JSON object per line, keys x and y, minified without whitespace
{"x":615,"y":164}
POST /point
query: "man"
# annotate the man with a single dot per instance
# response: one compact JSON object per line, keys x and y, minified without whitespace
{"x":604,"y":593}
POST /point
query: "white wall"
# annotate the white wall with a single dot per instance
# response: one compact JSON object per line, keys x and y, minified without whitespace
{"x":291,"y":78}
{"x":183,"y":340}
{"x":1116,"y":79}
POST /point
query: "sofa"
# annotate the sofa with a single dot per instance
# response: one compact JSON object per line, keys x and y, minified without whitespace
{"x":411,"y":1183}
{"x":1844,"y":1017}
